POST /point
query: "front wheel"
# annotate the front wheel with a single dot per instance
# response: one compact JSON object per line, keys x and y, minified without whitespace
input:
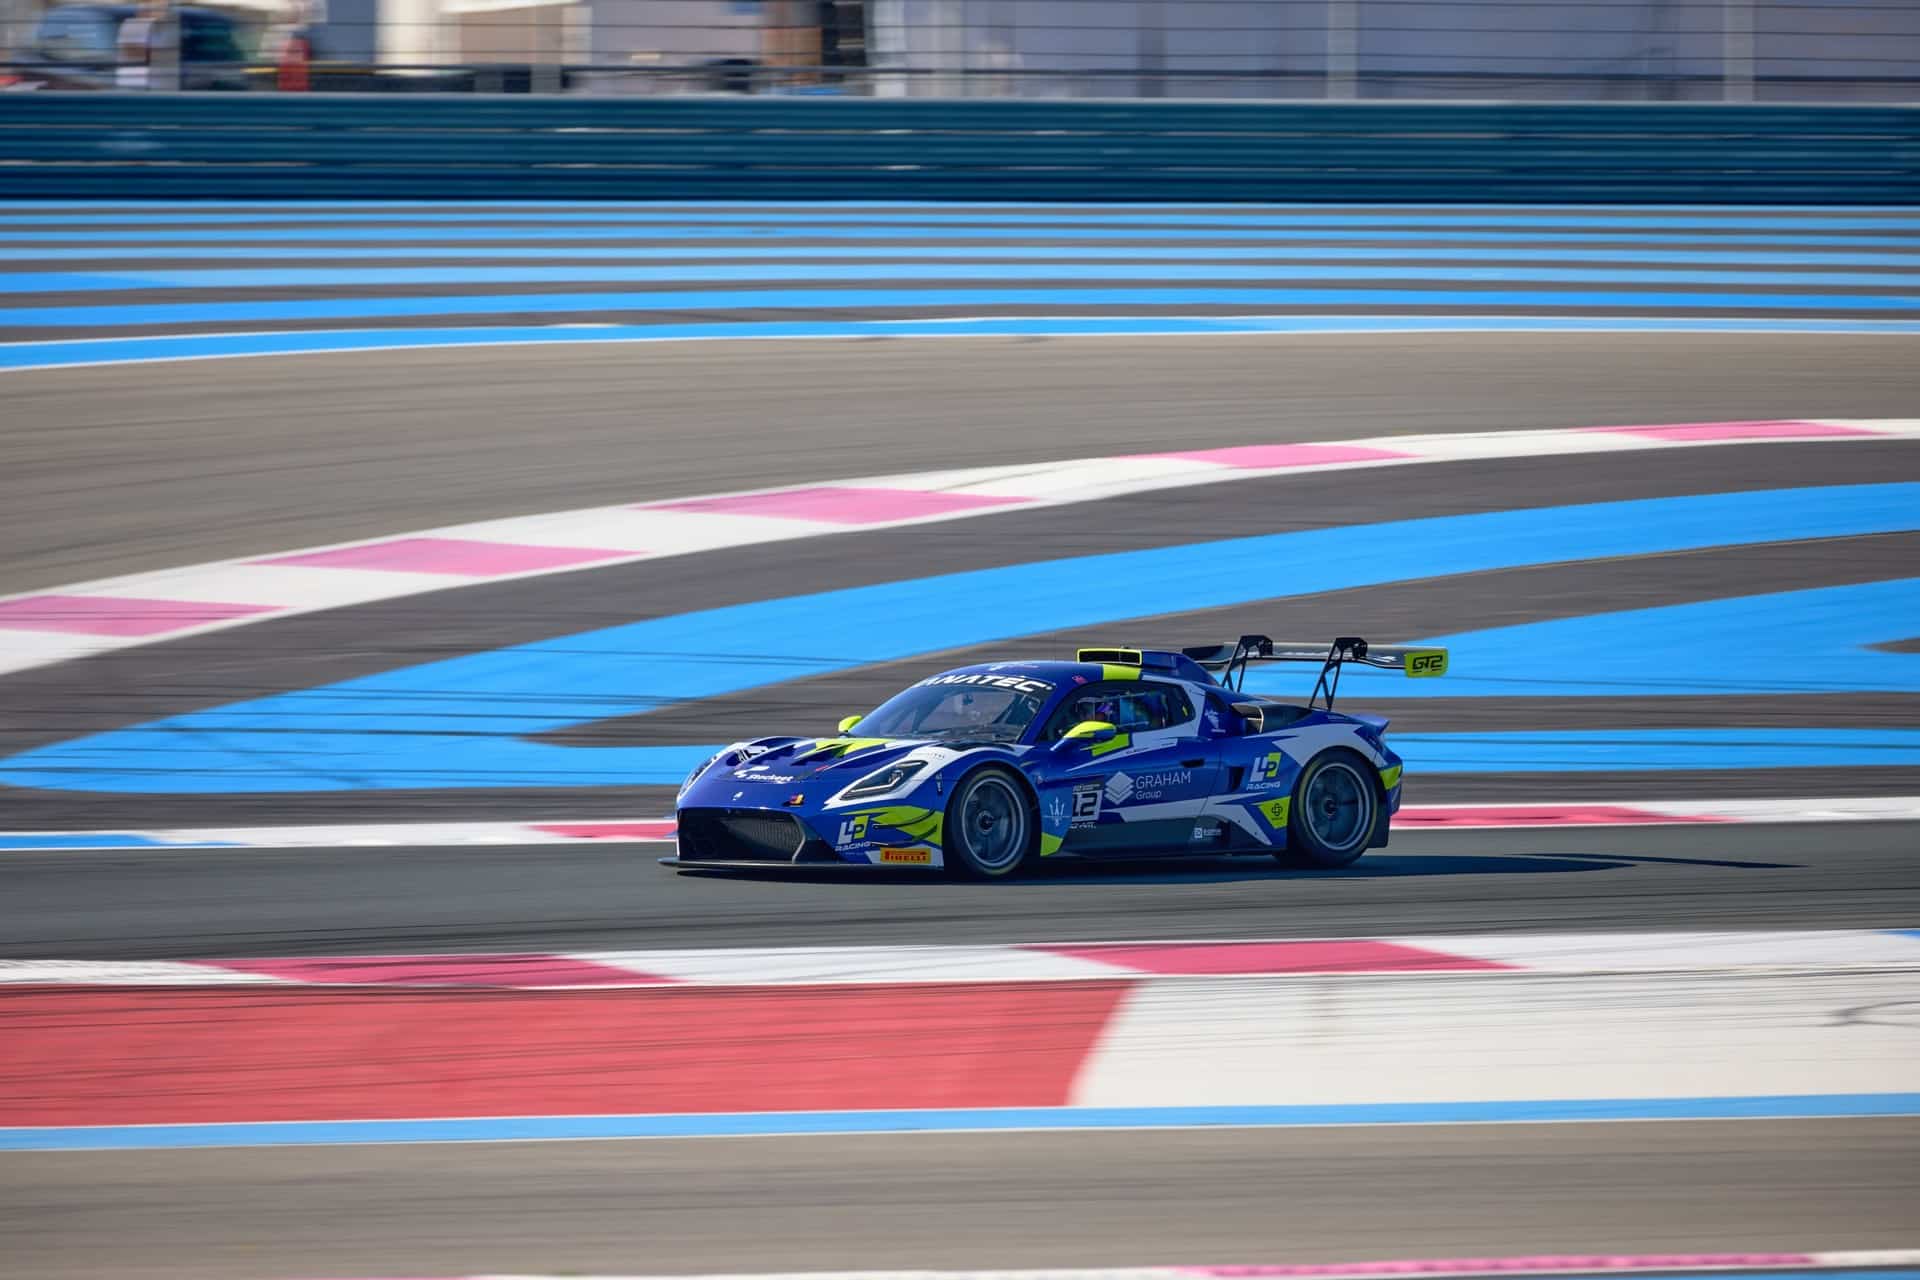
{"x":989,"y":826}
{"x":1335,"y":806}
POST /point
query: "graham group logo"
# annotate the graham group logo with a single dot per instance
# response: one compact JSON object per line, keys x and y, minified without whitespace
{"x":1119,"y":788}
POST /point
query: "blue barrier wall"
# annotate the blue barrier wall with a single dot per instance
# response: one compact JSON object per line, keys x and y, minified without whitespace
{"x":460,"y":146}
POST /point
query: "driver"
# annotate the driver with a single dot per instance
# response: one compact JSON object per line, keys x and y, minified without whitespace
{"x":976,"y":710}
{"x":972,"y":710}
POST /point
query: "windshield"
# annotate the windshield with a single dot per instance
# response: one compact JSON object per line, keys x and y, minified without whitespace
{"x":937,"y":711}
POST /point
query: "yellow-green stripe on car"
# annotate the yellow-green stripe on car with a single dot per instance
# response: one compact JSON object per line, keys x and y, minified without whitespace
{"x":839,"y":747}
{"x":921,"y":824}
{"x":1390,"y":778}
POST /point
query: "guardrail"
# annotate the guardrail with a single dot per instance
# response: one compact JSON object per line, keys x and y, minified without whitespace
{"x":433,"y":146}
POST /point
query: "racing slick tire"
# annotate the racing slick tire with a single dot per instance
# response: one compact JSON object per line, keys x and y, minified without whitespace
{"x":1336,"y":807}
{"x":990,"y":827}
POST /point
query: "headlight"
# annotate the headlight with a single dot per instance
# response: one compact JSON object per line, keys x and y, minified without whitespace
{"x":881,"y":781}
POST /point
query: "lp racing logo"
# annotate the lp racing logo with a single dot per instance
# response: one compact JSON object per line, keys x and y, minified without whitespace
{"x":853,"y":831}
{"x":1266,"y":770}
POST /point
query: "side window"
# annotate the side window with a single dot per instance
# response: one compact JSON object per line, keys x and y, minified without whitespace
{"x":1130,"y":708}
{"x":1087,"y":703}
{"x":1156,"y":706}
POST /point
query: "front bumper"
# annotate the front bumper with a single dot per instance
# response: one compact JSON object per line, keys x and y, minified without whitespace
{"x":748,"y":864}
{"x":750,"y":837}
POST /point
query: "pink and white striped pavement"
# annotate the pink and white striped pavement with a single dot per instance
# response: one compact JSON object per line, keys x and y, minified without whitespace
{"x":1429,"y":817}
{"x":769,"y":1042}
{"x":1861,"y":950}
{"x":1537,"y":1265}
{"x":73,"y":621}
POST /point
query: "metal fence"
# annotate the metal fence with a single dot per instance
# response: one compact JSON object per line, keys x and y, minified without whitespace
{"x":514,"y":147}
{"x":1567,"y":50}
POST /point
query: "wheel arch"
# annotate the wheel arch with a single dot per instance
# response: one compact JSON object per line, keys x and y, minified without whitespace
{"x":1007,"y":765}
{"x":1382,"y":819}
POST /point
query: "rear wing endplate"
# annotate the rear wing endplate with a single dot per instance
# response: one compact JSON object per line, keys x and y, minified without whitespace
{"x":1231,"y":660}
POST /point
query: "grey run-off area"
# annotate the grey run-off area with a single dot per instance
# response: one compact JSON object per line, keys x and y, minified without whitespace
{"x":978,"y":1201}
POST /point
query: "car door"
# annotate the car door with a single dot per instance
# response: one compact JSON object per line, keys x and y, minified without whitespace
{"x":1143,"y":790}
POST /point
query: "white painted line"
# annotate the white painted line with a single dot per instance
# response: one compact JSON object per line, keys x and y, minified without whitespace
{"x":1211,"y":976}
{"x":1673,"y":952}
{"x":832,"y":966}
{"x":1777,"y":809}
{"x":1400,"y":1269}
{"x":657,"y":830}
{"x":123,"y":973}
{"x":1319,"y":1042}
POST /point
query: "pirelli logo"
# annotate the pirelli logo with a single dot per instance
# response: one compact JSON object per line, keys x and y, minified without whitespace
{"x":1426,"y":662}
{"x":911,"y":857}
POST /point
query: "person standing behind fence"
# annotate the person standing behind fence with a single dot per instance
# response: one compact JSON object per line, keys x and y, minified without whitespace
{"x":147,"y":48}
{"x":289,"y":44}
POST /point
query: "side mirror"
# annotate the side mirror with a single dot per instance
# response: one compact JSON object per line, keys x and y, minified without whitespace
{"x":847,"y":723}
{"x":1252,"y":713}
{"x":1086,"y":733}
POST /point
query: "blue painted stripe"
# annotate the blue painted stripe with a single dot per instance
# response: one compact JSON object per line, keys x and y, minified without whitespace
{"x":91,"y":351}
{"x":942,"y":216}
{"x":958,"y":299}
{"x":464,"y":722}
{"x":789,"y":1123}
{"x":1440,"y":206}
{"x":1783,"y":642}
{"x":84,"y":840}
{"x":696,"y":230}
{"x":1691,"y":257}
{"x":1789,"y":285}
{"x":1656,"y":750}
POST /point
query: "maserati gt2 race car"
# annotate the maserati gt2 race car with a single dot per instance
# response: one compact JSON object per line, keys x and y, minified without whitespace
{"x":1120,"y":753}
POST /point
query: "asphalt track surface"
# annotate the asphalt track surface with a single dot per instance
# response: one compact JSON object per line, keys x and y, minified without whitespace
{"x":116,"y":470}
{"x":125,"y":469}
{"x":132,"y":686}
{"x":985,"y":1201}
{"x":184,"y":904}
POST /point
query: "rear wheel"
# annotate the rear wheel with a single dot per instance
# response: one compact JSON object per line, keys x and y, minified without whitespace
{"x":1336,"y":803}
{"x":989,"y":827}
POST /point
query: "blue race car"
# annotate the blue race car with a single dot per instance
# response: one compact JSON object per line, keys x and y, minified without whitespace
{"x":1121,"y":753}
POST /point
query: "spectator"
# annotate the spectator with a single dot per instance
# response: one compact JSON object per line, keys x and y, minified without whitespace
{"x":147,"y":44}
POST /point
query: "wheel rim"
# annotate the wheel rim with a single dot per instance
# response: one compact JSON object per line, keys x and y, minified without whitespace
{"x":993,"y":822}
{"x":1339,"y":806}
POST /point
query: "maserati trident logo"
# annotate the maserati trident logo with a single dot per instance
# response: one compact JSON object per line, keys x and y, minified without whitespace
{"x":1119,"y":787}
{"x":1056,"y":811}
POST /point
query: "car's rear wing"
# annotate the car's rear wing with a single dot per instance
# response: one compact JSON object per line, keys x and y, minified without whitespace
{"x":1230,"y":661}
